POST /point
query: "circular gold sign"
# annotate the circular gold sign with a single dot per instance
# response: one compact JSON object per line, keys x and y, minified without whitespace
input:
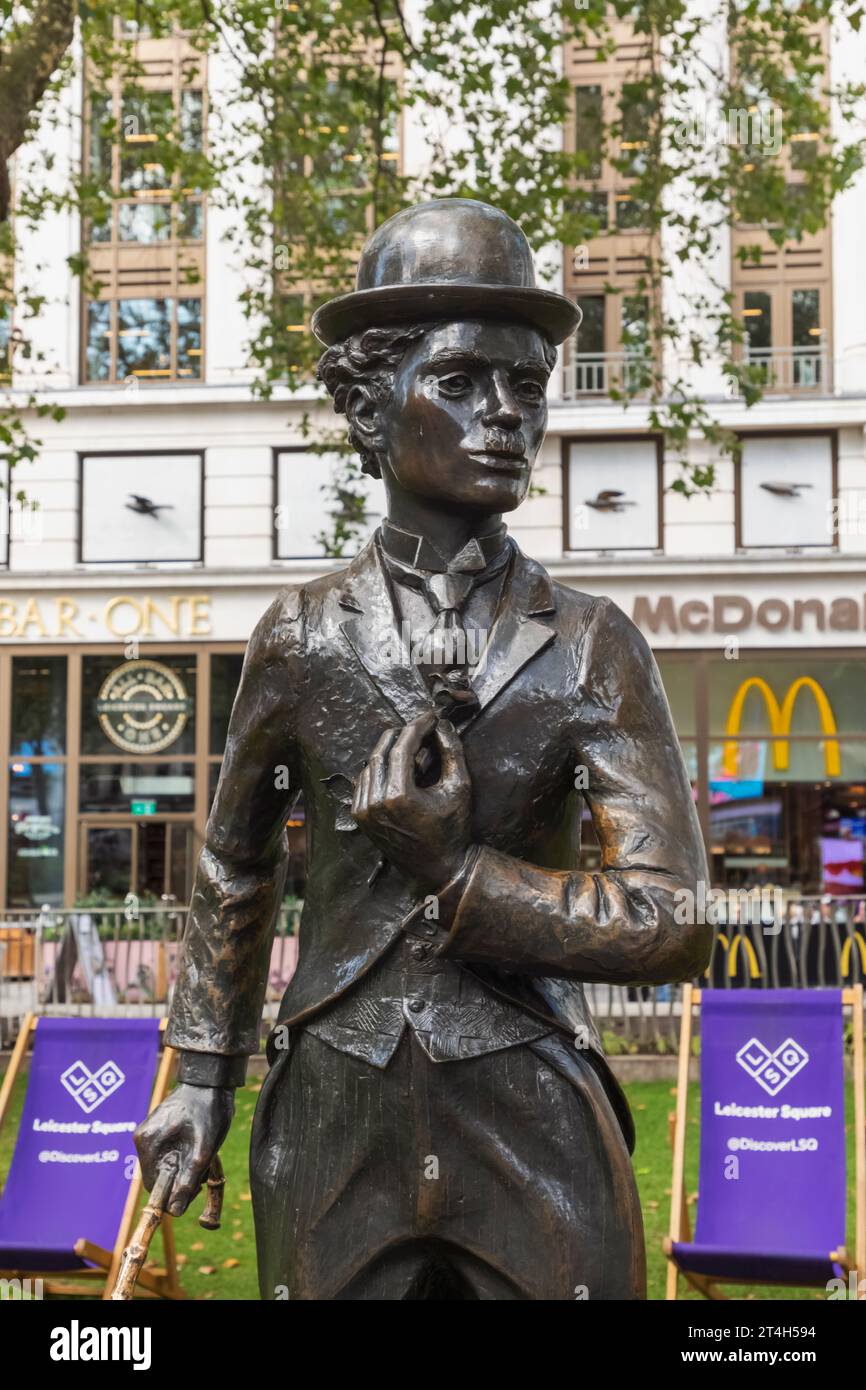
{"x":143,"y":707}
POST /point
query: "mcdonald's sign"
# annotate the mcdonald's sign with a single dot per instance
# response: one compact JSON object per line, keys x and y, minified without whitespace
{"x":848,"y":945}
{"x":780,"y":723}
{"x":732,"y":947}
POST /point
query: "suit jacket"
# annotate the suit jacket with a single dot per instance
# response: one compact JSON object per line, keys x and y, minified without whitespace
{"x":571,"y":710}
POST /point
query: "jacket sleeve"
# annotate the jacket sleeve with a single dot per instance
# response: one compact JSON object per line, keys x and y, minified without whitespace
{"x":634,"y":920}
{"x":218,"y":998}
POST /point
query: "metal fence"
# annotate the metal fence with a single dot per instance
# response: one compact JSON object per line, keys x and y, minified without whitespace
{"x":107,"y":961}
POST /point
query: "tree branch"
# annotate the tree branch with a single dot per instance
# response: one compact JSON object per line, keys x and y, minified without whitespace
{"x":31,"y":57}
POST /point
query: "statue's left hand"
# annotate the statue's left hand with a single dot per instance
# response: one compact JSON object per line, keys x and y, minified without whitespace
{"x":422,"y":830}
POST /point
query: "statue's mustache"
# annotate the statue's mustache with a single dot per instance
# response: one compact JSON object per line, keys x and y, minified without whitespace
{"x":511,"y":443}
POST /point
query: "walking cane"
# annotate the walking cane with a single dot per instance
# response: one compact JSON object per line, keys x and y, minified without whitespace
{"x":135,"y":1253}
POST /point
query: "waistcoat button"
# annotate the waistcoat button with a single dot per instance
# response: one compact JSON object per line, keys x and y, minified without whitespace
{"x":416,"y":1005}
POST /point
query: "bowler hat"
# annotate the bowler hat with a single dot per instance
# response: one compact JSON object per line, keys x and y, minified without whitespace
{"x":453,"y":257}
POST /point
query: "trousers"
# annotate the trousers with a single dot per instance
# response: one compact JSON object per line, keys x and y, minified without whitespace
{"x":503,"y":1176}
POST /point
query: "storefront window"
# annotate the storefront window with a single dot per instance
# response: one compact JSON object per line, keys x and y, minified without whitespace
{"x":788,"y":810}
{"x":807,"y":837}
{"x":36,"y":833}
{"x":139,"y":788}
{"x":225,"y":677}
{"x":809,"y":696}
{"x":678,"y":678}
{"x":141,"y":706}
{"x":38,"y":705}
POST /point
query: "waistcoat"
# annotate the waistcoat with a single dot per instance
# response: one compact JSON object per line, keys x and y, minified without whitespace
{"x":450,"y":1012}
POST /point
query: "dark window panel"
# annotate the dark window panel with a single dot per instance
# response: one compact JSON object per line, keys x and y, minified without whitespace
{"x":757,"y":313}
{"x":36,"y":833}
{"x":98,"y":350}
{"x":144,"y":338}
{"x":38,"y":705}
{"x":224,"y":680}
{"x":590,"y":334}
{"x":588,"y":130}
{"x":118,"y":786}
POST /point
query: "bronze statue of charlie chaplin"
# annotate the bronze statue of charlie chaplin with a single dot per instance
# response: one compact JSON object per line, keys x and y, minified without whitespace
{"x":438,"y":1120}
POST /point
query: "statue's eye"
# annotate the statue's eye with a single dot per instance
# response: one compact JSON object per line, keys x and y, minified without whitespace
{"x":530,"y":391}
{"x":457,"y":384}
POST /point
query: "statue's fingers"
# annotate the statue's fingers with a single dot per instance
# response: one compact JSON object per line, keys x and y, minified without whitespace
{"x":385,"y":744}
{"x":150,"y":1145}
{"x":401,"y":764}
{"x":453,"y":758}
{"x":377,"y":776}
{"x":187,"y":1182}
{"x":361,"y":797}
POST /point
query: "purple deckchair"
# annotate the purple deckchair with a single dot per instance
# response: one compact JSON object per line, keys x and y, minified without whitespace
{"x":89,"y":1087}
{"x":771,"y":1200}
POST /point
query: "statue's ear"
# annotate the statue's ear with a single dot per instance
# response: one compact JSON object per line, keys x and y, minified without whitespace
{"x":362,"y":413}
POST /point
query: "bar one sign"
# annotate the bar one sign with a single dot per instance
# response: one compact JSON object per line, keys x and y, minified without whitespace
{"x":735,"y":613}
{"x":33,"y":617}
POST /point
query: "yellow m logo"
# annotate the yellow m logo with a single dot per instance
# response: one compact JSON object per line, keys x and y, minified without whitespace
{"x":732,"y":947}
{"x":847,"y":951}
{"x":780,"y":723}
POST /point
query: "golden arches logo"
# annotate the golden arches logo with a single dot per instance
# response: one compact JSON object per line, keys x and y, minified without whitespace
{"x":780,"y":717}
{"x":848,"y":950}
{"x":732,"y":947}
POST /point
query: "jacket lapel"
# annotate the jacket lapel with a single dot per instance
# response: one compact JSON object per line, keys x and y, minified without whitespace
{"x":374,"y":636}
{"x":372,"y":631}
{"x":517,"y":637}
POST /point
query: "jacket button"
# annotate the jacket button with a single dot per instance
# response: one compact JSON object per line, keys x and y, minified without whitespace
{"x":416,"y":1005}
{"x":419,"y":951}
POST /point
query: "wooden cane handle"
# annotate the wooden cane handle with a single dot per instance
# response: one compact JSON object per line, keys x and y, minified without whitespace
{"x":213,"y":1208}
{"x":135,"y":1254}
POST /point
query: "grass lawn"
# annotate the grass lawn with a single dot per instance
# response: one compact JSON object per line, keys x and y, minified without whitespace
{"x":222,"y":1264}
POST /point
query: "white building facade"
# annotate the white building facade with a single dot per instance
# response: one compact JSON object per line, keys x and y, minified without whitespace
{"x":172,"y":505}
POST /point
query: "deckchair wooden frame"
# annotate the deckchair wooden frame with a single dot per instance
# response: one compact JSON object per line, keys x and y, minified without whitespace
{"x":152,"y":1282}
{"x":680,"y":1227}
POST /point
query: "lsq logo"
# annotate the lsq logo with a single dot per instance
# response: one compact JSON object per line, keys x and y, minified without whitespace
{"x":772,"y":1070}
{"x":90,"y":1088}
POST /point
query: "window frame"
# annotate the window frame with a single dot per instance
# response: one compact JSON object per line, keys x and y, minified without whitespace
{"x":138,"y":453}
{"x":792,"y":432}
{"x":637,"y":437}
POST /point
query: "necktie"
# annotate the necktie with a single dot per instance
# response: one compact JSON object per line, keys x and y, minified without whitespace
{"x":444,"y":651}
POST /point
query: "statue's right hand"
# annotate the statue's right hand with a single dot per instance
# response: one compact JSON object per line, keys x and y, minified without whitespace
{"x":184,"y":1132}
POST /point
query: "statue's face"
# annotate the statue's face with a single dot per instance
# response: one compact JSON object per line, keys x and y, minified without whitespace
{"x":467,"y":414}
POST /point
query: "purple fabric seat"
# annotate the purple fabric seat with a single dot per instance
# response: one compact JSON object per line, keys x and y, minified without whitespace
{"x":771,"y":1201}
{"x":89,"y":1086}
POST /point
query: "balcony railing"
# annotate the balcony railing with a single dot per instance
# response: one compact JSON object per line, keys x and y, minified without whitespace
{"x":786,"y":371}
{"x":597,"y":373}
{"x":793,"y":369}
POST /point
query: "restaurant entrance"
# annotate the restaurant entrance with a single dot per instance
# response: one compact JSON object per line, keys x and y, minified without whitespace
{"x":150,"y":858}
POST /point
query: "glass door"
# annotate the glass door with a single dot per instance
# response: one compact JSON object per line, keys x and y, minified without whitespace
{"x":151,"y":858}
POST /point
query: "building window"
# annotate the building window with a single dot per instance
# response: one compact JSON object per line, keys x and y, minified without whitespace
{"x":5,"y":511}
{"x":138,"y":508}
{"x":38,"y":706}
{"x":146,"y":250}
{"x":757,"y":313}
{"x":785,"y":492}
{"x":306,"y":507}
{"x":589,"y":130}
{"x":612,"y":489}
{"x":36,"y":833}
{"x":225,"y":668}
